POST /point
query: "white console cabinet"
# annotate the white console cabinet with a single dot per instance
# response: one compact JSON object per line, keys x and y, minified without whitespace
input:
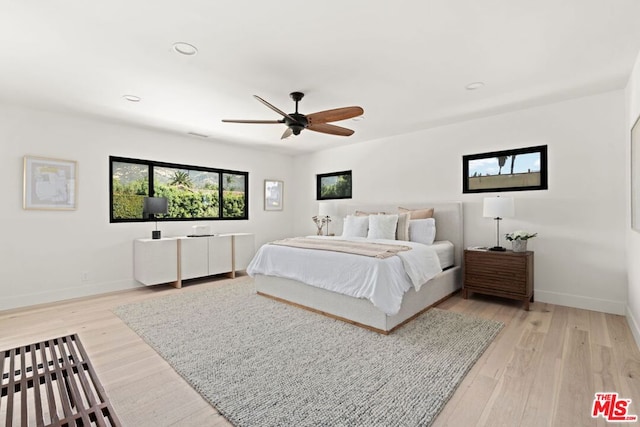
{"x":206,"y":256}
{"x":171,"y":260}
{"x":155,"y":261}
{"x":244,"y":248}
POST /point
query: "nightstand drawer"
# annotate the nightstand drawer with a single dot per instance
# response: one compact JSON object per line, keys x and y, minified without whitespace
{"x":508,"y":275}
{"x":516,"y":285}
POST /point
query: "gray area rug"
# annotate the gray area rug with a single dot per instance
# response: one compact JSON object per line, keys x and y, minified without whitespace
{"x":263,"y":363}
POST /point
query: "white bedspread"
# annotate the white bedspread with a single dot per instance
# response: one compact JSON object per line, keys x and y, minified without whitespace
{"x":381,"y":281}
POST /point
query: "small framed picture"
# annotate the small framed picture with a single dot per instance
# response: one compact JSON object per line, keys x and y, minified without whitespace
{"x":50,"y":184}
{"x":273,"y":195}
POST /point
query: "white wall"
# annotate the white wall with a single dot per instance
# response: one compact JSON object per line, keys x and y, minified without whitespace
{"x":632,"y":237}
{"x":581,"y":219}
{"x":44,"y":253}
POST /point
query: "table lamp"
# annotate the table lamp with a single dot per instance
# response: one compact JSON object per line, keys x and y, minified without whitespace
{"x":498,"y":208}
{"x":155,"y":206}
{"x":325,"y":211}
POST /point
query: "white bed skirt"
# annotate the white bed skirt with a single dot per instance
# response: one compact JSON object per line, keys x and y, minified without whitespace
{"x":357,"y":310}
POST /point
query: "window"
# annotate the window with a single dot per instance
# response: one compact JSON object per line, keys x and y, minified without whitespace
{"x":129,"y":187}
{"x":335,"y":185}
{"x":510,"y":170}
{"x":234,"y":194}
{"x":193,"y":192}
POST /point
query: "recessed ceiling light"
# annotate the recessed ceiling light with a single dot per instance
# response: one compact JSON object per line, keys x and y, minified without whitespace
{"x":474,"y":85}
{"x":185,"y":48}
{"x":131,"y":98}
{"x":357,"y":119}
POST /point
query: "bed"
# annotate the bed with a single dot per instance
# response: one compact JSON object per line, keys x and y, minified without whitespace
{"x":362,"y":311}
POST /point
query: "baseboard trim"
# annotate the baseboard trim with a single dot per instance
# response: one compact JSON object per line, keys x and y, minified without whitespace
{"x":586,"y":303}
{"x":55,"y":295}
{"x":633,"y":325}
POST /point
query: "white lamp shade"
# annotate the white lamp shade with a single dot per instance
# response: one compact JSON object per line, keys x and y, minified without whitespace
{"x":326,"y":209}
{"x":498,"y":207}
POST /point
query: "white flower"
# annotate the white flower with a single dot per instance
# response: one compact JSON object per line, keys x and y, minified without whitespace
{"x":520,"y":235}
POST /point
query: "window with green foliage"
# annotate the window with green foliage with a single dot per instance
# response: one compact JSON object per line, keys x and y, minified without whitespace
{"x":192,"y":192}
{"x":335,"y":185}
{"x":234,"y":193}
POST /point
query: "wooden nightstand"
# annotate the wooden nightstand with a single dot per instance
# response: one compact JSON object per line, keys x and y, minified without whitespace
{"x":505,"y":274}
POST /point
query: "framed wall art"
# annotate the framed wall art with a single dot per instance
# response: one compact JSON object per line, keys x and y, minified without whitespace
{"x":510,"y":170}
{"x":273,"y":195}
{"x":635,"y":176}
{"x":335,"y":185}
{"x":49,"y":183}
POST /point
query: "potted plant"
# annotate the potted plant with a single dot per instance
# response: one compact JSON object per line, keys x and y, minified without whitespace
{"x":519,"y":239}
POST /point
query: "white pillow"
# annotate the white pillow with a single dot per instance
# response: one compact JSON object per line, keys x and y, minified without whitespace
{"x":355,"y":226}
{"x":382,"y":227}
{"x":422,"y":230}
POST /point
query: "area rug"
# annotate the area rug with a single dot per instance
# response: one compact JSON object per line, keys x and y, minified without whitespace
{"x":263,"y":363}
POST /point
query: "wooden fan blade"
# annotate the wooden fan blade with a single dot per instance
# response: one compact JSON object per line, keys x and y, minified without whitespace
{"x":331,"y":129}
{"x":276,"y":109}
{"x":260,"y":122}
{"x":334,"y":115}
{"x":287,"y":133}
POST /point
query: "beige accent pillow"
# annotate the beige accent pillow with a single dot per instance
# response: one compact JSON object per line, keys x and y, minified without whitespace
{"x":417,"y":213}
{"x":361,"y":213}
{"x":402,"y":232}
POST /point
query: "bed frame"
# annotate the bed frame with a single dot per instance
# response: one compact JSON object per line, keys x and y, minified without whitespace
{"x":361,"y":312}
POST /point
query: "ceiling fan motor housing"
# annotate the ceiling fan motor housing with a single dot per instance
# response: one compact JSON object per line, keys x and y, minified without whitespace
{"x":299,"y":123}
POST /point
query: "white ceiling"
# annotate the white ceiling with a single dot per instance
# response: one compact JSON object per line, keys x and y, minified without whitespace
{"x":405,"y":62}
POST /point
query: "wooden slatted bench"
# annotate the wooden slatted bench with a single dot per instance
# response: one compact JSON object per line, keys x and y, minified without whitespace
{"x":52,"y":383}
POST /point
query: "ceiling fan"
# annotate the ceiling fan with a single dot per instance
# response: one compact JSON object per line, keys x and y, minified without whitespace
{"x":317,"y":122}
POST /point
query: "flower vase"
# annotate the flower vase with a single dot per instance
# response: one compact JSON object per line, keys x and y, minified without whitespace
{"x":519,"y":245}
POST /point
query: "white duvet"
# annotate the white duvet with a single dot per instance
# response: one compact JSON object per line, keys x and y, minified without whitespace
{"x":381,"y":281}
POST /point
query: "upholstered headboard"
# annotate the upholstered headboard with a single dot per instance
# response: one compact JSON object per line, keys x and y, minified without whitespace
{"x":448,"y":216}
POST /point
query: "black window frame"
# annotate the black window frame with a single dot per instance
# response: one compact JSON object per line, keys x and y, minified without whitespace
{"x":322,"y":176}
{"x":152,"y":163}
{"x":544,"y":174}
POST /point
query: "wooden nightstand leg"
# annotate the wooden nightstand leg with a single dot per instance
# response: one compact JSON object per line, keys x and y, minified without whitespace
{"x":526,"y":304}
{"x":464,"y":294}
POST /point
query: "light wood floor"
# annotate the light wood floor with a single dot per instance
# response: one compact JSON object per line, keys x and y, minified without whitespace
{"x":542,"y":370}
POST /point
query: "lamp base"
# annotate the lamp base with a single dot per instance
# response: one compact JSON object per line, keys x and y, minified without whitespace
{"x":155,"y":234}
{"x":498,"y":249}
